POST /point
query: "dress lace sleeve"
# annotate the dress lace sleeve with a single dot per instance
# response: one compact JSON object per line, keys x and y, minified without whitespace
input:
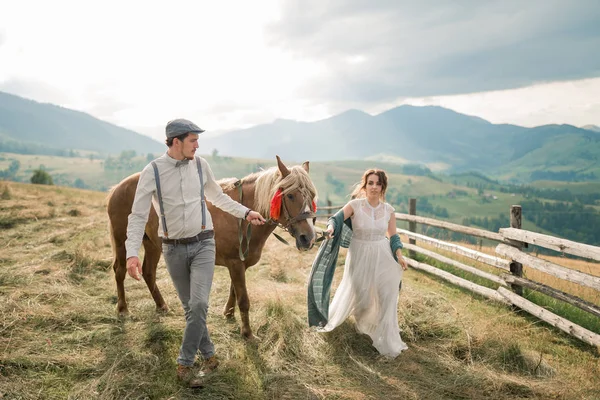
{"x":355,"y":204}
{"x":389,"y":209}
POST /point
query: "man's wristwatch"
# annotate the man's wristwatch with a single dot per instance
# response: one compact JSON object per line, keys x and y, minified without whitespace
{"x":247,"y":212}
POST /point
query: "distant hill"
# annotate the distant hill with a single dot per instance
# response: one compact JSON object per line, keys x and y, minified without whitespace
{"x":594,"y":128}
{"x":423,"y":135}
{"x":29,"y":127}
{"x":554,"y":152}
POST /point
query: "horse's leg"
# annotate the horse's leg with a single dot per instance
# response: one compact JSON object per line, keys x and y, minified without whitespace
{"x":237,"y":271}
{"x":229,"y":310}
{"x":151,"y":258}
{"x":120,"y":268}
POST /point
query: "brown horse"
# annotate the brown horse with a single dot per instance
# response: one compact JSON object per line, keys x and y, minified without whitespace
{"x":257,"y":190}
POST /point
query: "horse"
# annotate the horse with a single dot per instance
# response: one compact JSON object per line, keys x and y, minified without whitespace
{"x":286,"y":195}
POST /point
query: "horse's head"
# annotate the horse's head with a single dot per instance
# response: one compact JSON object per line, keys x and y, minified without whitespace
{"x":294,"y":199}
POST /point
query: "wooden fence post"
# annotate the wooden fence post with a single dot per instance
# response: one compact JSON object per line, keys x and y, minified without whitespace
{"x":412,"y":226}
{"x":516,"y":268}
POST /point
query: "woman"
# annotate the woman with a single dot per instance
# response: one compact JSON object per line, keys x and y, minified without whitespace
{"x":370,"y":285}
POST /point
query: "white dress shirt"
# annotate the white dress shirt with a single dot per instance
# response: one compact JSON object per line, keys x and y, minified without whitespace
{"x":180,"y":189}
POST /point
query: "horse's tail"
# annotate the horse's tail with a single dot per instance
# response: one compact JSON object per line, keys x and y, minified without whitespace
{"x":118,"y":206}
{"x":110,"y":194}
{"x":111,"y":231}
{"x":113,"y":189}
{"x":113,"y":245}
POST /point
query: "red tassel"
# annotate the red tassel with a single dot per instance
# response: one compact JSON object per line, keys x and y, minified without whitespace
{"x":314,"y":206}
{"x":276,"y":205}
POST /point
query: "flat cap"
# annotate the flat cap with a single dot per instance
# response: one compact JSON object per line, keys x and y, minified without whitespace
{"x":180,"y":126}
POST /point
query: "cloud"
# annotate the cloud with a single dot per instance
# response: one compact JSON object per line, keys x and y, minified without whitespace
{"x":104,"y":102}
{"x":292,"y":59}
{"x":96,"y":100}
{"x":572,"y":102}
{"x":35,"y":90}
{"x":377,"y":51}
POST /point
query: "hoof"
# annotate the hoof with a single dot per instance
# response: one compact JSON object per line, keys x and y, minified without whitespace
{"x":123,"y":313}
{"x":250,"y":337}
{"x":229,"y":312}
{"x":162,"y":309}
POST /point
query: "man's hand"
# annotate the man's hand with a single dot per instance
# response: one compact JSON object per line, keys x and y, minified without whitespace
{"x":255,"y":218}
{"x":134,"y":268}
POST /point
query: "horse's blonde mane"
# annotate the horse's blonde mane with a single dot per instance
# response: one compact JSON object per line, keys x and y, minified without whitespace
{"x":267,"y":182}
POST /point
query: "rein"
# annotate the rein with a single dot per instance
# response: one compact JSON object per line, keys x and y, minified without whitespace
{"x":243,"y":253}
{"x":301,"y":216}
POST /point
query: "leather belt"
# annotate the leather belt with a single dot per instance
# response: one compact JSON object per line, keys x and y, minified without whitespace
{"x":203,"y":235}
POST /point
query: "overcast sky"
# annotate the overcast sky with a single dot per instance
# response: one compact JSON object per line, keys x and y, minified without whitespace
{"x":232,"y":64}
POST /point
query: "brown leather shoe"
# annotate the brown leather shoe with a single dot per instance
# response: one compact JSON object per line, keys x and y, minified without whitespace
{"x":187,"y":375}
{"x":209,"y":365}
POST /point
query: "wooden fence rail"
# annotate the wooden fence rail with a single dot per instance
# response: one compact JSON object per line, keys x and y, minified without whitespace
{"x":557,"y":294}
{"x":553,"y":243}
{"x":329,"y":208}
{"x":464,"y":283}
{"x":561,"y":323}
{"x":457,"y":264}
{"x":450,"y":226}
{"x":463,"y":251}
{"x":580,"y":278}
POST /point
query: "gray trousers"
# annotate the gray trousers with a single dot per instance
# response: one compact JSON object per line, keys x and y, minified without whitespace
{"x":192,"y":267}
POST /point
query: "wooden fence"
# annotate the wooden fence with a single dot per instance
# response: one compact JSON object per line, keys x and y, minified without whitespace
{"x":509,"y":265}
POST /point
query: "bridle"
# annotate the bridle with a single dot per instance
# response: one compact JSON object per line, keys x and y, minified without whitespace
{"x":289,"y":221}
{"x":285,"y":225}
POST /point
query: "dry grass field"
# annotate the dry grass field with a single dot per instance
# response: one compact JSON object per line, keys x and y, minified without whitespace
{"x":60,"y":336}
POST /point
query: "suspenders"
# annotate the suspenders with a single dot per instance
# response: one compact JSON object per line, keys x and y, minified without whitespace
{"x":199,"y":164}
{"x":160,"y":202}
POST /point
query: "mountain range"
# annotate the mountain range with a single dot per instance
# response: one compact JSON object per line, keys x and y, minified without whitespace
{"x":434,"y":136}
{"x":27,"y":126}
{"x":437,"y":137}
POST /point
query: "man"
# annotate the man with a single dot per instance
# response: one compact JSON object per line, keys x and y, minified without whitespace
{"x":186,"y":230}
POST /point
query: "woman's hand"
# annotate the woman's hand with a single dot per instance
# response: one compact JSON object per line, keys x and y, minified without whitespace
{"x":401,"y":260}
{"x":329,"y":231}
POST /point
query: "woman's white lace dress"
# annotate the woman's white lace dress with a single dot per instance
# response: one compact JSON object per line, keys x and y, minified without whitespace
{"x":370,"y":284}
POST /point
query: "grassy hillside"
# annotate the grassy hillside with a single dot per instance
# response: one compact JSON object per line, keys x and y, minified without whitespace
{"x":574,"y":187}
{"x":95,"y":175}
{"x":568,"y":157}
{"x":467,"y":198}
{"x":60,"y":336}
{"x":67,"y":169}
